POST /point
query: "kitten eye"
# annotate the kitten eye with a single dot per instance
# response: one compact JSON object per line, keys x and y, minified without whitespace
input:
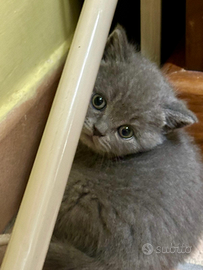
{"x":125,"y":132}
{"x":98,"y":102}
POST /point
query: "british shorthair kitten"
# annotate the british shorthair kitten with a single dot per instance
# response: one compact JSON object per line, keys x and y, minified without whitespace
{"x":134,"y":198}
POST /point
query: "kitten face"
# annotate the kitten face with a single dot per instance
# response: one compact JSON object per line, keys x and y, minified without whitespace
{"x":127,"y":111}
{"x":119,"y":120}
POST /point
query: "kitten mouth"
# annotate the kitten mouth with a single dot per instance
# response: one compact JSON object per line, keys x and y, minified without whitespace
{"x":91,"y":138}
{"x":96,"y":143}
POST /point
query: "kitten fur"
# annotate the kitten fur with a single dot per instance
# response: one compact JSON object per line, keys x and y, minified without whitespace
{"x":124,"y":193}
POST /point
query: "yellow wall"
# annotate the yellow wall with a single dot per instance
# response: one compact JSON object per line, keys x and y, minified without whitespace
{"x":34,"y":38}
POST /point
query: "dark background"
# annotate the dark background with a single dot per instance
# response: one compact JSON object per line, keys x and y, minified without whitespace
{"x":173,"y":23}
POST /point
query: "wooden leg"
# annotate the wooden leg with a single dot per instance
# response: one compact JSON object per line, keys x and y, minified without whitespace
{"x":151,"y":29}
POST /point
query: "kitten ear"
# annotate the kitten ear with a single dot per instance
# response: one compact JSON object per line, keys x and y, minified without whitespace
{"x":116,"y":46}
{"x":177,"y":116}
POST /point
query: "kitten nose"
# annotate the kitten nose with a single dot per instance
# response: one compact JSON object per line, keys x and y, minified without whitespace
{"x":96,"y":132}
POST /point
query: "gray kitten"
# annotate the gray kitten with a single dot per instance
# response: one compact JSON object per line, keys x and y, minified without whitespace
{"x":134,"y":198}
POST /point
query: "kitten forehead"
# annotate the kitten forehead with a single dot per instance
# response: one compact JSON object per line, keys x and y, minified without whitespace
{"x":137,"y":80}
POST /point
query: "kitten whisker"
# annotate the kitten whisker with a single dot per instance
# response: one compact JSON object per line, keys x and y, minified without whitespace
{"x":88,"y":125}
{"x":105,"y":145}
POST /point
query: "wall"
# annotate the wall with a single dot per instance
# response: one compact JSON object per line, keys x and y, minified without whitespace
{"x":35,"y":36}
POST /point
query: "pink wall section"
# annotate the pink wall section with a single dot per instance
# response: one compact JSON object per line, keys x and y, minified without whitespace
{"x":21,"y":132}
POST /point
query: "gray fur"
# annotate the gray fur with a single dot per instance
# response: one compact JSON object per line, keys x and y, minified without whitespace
{"x":124,"y":193}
